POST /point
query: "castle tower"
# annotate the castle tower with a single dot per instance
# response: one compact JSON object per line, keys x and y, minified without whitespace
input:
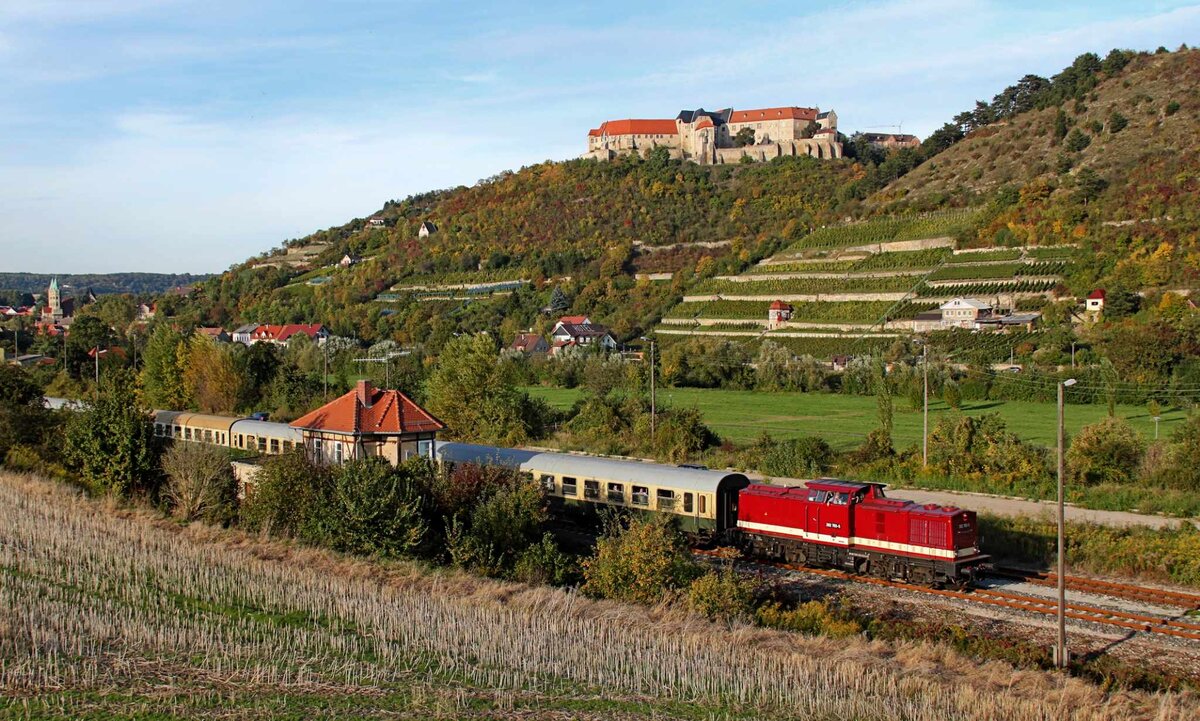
{"x":54,"y":300}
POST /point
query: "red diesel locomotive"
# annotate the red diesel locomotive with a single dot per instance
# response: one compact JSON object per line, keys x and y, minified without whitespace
{"x":853,"y":526}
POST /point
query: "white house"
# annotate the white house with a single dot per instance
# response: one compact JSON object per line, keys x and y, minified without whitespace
{"x":778,"y":314}
{"x":578,"y":330}
{"x":1095,"y":301}
{"x":427,"y":229}
{"x":964,"y":312}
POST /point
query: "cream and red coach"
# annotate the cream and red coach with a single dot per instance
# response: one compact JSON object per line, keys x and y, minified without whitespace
{"x":853,"y":526}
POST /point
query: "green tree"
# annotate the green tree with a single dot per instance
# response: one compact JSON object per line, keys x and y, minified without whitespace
{"x":111,"y":442}
{"x":952,"y":395}
{"x":473,"y":393}
{"x":640,"y":559}
{"x":161,"y":375}
{"x":1060,"y":127}
{"x":500,"y":529}
{"x":23,"y":415}
{"x":1117,"y":122}
{"x":285,"y":496}
{"x":809,"y":456}
{"x":743,"y":137}
{"x":1077,"y":140}
{"x":372,"y":507}
{"x":200,"y":482}
{"x":1109,"y":451}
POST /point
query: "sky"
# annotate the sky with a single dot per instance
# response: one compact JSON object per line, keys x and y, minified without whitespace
{"x":189,"y":135}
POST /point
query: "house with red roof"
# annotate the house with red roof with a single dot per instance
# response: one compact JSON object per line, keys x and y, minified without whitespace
{"x":577,"y":331}
{"x":1094,"y":303}
{"x":280,"y":334}
{"x":368,"y":422}
{"x":778,"y":314}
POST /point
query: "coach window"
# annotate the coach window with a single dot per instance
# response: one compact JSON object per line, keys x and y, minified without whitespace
{"x":547,"y":482}
{"x":568,"y":486}
{"x":262,"y":444}
{"x":274,"y":445}
{"x":591,"y":490}
{"x":687,"y":503}
{"x":703,"y":504}
{"x":157,"y":430}
{"x":187,"y":434}
{"x":665,"y":499}
{"x":641,"y":496}
{"x":616,"y":493}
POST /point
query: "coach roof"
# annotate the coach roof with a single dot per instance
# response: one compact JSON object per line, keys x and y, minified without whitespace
{"x":588,"y":467}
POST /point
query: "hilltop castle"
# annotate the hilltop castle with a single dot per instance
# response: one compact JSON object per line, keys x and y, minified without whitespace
{"x":722,"y":136}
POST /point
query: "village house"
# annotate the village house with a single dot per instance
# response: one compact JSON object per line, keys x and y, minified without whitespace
{"x":241,"y":334}
{"x":530,"y":344}
{"x":778,"y":314}
{"x":427,"y":229}
{"x":892,"y":141}
{"x":579,"y":331}
{"x":349,"y":260}
{"x":376,"y":222}
{"x":146,"y":311}
{"x":369,"y":422}
{"x":216,"y":334}
{"x":964,"y":312}
{"x":252,"y":333}
{"x":1094,"y":303}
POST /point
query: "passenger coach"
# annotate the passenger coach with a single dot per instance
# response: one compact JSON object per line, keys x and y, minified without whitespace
{"x":704,"y":501}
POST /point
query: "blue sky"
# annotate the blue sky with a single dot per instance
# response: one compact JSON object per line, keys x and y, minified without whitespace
{"x":188,"y":135}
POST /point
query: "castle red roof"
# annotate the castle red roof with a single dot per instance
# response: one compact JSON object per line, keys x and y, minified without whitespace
{"x":793,"y":113}
{"x":639,"y":127}
{"x":704,"y":122}
{"x":367,"y":410}
{"x":593,"y":132}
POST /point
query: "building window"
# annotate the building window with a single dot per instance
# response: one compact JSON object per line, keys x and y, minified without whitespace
{"x":568,"y":486}
{"x":687,"y":503}
{"x":665,"y":499}
{"x":547,"y":482}
{"x":425,"y":449}
{"x":338,"y":450}
{"x":591,"y":490}
{"x":158,"y":430}
{"x":317,"y":447}
{"x":640,"y":496}
{"x":616,"y":493}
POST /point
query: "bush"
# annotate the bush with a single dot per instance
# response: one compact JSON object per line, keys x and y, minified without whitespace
{"x":641,"y":559}
{"x":372,"y":507}
{"x":543,"y":563}
{"x":723,"y":595}
{"x":111,"y":443}
{"x":1117,"y":122}
{"x":952,"y":395}
{"x":500,"y":528}
{"x":797,"y":457}
{"x":284,"y":495}
{"x":1172,"y":108}
{"x":200,"y":483}
{"x":1077,"y":140}
{"x":813,"y":617}
{"x":1106,"y":452}
{"x":22,"y":413}
{"x":967,"y":447}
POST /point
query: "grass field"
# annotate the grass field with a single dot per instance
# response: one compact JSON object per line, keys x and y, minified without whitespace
{"x":108,"y":614}
{"x":741,"y":416}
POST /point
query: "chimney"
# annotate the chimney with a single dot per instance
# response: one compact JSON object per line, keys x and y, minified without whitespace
{"x":363,"y":391}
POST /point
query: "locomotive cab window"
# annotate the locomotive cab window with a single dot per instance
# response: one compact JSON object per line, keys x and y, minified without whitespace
{"x":616,"y":493}
{"x":568,"y":486}
{"x":817,"y":496}
{"x":641,"y":496}
{"x":591,"y":490}
{"x":547,"y":482}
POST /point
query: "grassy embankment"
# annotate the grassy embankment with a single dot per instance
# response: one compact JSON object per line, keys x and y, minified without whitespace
{"x":124,"y":615}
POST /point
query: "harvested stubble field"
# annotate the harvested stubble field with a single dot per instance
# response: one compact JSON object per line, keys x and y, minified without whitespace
{"x":109,"y":613}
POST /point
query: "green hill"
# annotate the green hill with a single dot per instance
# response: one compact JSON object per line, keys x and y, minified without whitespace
{"x":1099,"y":160}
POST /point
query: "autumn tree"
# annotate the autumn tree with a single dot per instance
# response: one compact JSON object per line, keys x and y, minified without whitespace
{"x":211,"y":376}
{"x":162,"y":375}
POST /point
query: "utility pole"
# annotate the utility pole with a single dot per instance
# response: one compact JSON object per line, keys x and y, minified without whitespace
{"x":1072,"y":354}
{"x":925,"y":413}
{"x":325,"y":376}
{"x":653,"y":405}
{"x":1060,"y":656}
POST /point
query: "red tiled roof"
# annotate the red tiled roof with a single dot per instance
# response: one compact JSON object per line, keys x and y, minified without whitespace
{"x":1097,"y":294}
{"x":593,"y":132}
{"x":526,"y":341}
{"x":311,"y":330}
{"x":639,"y":127}
{"x":780,"y":305}
{"x":387,"y":412}
{"x":573,"y":319}
{"x":825,"y":131}
{"x":792,"y":113}
{"x":704,"y":122}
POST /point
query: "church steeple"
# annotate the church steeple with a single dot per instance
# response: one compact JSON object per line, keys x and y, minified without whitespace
{"x":54,"y":300}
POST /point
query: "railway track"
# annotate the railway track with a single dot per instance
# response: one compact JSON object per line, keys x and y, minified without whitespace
{"x":1163,"y":597}
{"x":1164,"y":626}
